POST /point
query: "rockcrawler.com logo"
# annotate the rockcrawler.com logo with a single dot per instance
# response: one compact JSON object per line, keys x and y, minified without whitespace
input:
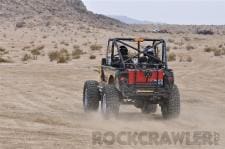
{"x":156,"y":138}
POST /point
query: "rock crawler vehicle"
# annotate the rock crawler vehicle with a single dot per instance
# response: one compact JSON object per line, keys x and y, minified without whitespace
{"x":134,"y":71}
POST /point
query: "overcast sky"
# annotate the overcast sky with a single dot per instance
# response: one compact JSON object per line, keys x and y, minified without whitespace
{"x":165,"y":11}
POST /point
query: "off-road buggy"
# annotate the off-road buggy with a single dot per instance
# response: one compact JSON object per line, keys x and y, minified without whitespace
{"x":135,"y":71}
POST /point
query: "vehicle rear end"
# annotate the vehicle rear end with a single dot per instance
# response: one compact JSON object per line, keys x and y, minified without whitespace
{"x":144,"y":82}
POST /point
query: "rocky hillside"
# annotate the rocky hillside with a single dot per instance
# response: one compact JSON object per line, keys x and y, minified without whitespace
{"x":38,"y":12}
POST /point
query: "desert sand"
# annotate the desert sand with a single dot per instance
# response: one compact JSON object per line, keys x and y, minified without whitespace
{"x":41,"y":104}
{"x":41,"y":101}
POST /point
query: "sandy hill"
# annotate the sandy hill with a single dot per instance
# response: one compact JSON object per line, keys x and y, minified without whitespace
{"x":45,"y":11}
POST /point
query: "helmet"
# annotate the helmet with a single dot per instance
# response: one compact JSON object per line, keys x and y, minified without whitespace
{"x":123,"y":50}
{"x":149,"y":50}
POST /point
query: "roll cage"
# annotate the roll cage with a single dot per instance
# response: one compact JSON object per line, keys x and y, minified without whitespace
{"x":113,"y":44}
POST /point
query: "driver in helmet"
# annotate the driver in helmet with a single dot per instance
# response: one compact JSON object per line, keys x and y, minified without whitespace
{"x":124,"y":52}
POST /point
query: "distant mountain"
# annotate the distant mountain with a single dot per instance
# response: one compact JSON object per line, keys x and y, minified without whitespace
{"x":129,"y":20}
{"x":36,"y":12}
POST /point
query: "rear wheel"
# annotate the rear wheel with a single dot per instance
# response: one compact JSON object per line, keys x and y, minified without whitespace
{"x":91,"y":96}
{"x":171,"y":107}
{"x":110,"y":102}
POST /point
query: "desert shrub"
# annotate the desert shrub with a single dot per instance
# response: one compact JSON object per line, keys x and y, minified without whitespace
{"x":37,"y":51}
{"x":40,"y":47}
{"x":185,"y":58}
{"x":164,"y":31}
{"x":180,"y":32}
{"x":217,"y":52}
{"x":64,"y":43}
{"x":25,"y":48}
{"x":208,"y":49}
{"x":55,"y":46}
{"x":64,"y":56}
{"x":92,"y":57}
{"x":77,"y":53}
{"x":53,"y":56}
{"x":172,"y":56}
{"x":81,"y":27}
{"x":179,"y":43}
{"x":85,"y":44}
{"x":95,"y":47}
{"x":47,"y":24}
{"x":3,"y":60}
{"x":171,"y":40}
{"x":20,"y":24}
{"x":190,"y":47}
{"x":6,"y":52}
{"x":220,"y":46}
{"x":26,"y":57}
{"x":175,"y":47}
{"x":181,"y":58}
{"x":187,"y":38}
{"x":2,"y":49}
{"x":44,"y":37}
{"x":76,"y":56}
{"x":61,"y":56}
{"x":189,"y":59}
{"x":205,"y":32}
{"x":76,"y":47}
{"x":223,"y":51}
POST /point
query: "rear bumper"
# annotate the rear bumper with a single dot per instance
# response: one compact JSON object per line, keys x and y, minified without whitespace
{"x":143,"y":90}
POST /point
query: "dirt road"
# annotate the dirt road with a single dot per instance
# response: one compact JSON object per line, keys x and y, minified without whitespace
{"x":41,"y":106}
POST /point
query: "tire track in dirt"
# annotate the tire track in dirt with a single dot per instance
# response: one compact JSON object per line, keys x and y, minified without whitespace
{"x":46,"y":107}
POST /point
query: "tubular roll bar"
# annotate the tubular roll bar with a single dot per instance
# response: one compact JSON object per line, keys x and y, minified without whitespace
{"x":156,"y":42}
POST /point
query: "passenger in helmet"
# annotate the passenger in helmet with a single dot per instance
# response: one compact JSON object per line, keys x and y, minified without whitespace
{"x":149,"y":50}
{"x":149,"y":55}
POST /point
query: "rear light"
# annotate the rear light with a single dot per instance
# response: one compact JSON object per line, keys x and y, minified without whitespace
{"x":170,"y":78}
{"x":122,"y":78}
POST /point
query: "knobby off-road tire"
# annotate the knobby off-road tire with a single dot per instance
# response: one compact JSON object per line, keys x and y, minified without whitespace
{"x":91,"y":96}
{"x":171,"y":107}
{"x":150,"y":108}
{"x":110,"y":103}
